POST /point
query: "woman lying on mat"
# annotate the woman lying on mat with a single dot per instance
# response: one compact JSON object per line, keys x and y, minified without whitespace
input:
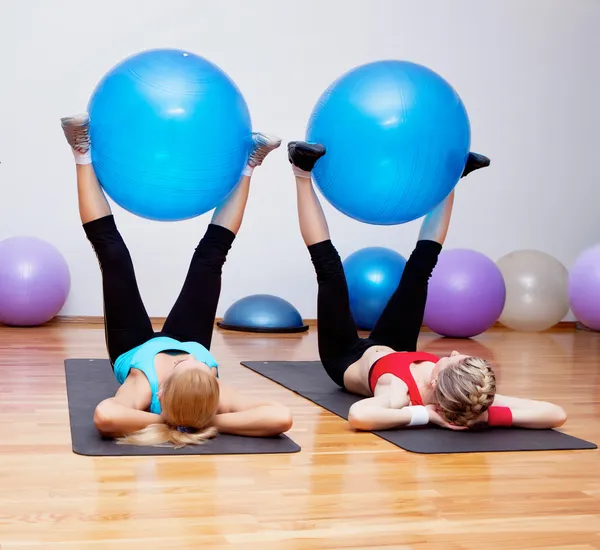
{"x":170,"y":390}
{"x":403,"y":387}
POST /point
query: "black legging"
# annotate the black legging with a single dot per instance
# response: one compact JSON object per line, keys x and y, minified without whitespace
{"x":126,"y":321}
{"x":398,"y":326}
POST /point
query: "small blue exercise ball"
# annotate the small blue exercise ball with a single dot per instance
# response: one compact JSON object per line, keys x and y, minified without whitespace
{"x":170,"y":134}
{"x":397,"y":137}
{"x":373,"y":274}
{"x":263,"y":313}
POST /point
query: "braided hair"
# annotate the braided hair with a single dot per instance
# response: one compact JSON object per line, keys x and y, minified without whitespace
{"x":465,"y":390}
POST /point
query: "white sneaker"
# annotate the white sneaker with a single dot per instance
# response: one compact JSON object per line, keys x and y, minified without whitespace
{"x":77,"y":132}
{"x":263,"y":145}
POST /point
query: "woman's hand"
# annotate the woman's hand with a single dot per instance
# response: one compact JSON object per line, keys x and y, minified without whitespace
{"x":481,"y":419}
{"x":436,"y":418}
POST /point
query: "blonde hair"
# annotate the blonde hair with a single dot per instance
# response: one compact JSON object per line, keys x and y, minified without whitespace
{"x":465,"y":390}
{"x":189,"y":401}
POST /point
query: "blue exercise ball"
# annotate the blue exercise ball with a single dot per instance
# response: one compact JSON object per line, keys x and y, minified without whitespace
{"x":263,"y":313}
{"x":170,"y":134}
{"x":397,"y":137}
{"x":373,"y":274}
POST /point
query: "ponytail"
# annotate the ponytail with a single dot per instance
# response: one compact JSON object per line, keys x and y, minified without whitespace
{"x":161,"y":434}
{"x":190,"y":400}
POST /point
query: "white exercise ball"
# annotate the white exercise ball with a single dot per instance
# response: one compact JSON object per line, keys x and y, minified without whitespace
{"x":536,"y":290}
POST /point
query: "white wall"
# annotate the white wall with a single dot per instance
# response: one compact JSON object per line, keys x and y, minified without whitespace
{"x":528,"y":72}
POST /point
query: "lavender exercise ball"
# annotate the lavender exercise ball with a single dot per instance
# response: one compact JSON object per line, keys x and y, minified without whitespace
{"x":34,"y":281}
{"x":466,"y":294}
{"x":584,"y":288}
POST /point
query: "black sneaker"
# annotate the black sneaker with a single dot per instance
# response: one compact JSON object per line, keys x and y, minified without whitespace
{"x":475,"y":162}
{"x":304,"y":155}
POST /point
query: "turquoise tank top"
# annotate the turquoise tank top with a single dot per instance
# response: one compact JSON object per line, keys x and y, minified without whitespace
{"x":142,"y":358}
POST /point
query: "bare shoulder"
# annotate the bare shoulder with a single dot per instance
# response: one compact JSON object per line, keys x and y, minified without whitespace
{"x":135,"y":392}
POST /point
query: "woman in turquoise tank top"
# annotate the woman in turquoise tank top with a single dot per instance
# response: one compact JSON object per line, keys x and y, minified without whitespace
{"x":169,"y":390}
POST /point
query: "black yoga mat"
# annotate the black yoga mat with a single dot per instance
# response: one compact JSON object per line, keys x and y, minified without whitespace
{"x":309,"y":379}
{"x":89,"y":381}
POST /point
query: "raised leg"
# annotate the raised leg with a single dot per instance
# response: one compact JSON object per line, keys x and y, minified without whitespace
{"x":336,"y":328}
{"x":193,"y":315}
{"x":313,"y":225}
{"x":399,"y":325}
{"x":126,"y":321}
{"x":400,"y":322}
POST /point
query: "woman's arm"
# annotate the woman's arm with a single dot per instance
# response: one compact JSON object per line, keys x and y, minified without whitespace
{"x":387,"y":409}
{"x":376,"y":413}
{"x":113,"y":419}
{"x":239,"y":415}
{"x":390,"y":409}
{"x":527,"y":413}
{"x":125,"y":413}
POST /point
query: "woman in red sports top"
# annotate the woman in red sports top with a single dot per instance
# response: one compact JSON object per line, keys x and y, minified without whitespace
{"x":403,"y":387}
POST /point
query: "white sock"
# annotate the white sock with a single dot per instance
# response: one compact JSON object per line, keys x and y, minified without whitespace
{"x":83,"y":158}
{"x":248,"y":170}
{"x":299,"y":173}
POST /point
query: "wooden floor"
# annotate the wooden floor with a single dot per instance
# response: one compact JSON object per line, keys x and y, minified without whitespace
{"x":344,"y":490}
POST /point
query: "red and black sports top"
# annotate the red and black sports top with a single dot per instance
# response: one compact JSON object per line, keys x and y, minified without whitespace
{"x":399,"y":364}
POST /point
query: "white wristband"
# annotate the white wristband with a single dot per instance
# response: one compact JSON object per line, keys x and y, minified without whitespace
{"x":419,"y":415}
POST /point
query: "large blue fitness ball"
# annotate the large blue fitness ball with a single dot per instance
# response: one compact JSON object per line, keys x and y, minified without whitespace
{"x":373,"y":275}
{"x":397,"y":138}
{"x":170,"y":134}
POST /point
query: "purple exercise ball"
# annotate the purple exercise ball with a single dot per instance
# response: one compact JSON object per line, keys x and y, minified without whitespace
{"x":34,"y":281}
{"x":466,"y":294}
{"x":584,"y":288}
